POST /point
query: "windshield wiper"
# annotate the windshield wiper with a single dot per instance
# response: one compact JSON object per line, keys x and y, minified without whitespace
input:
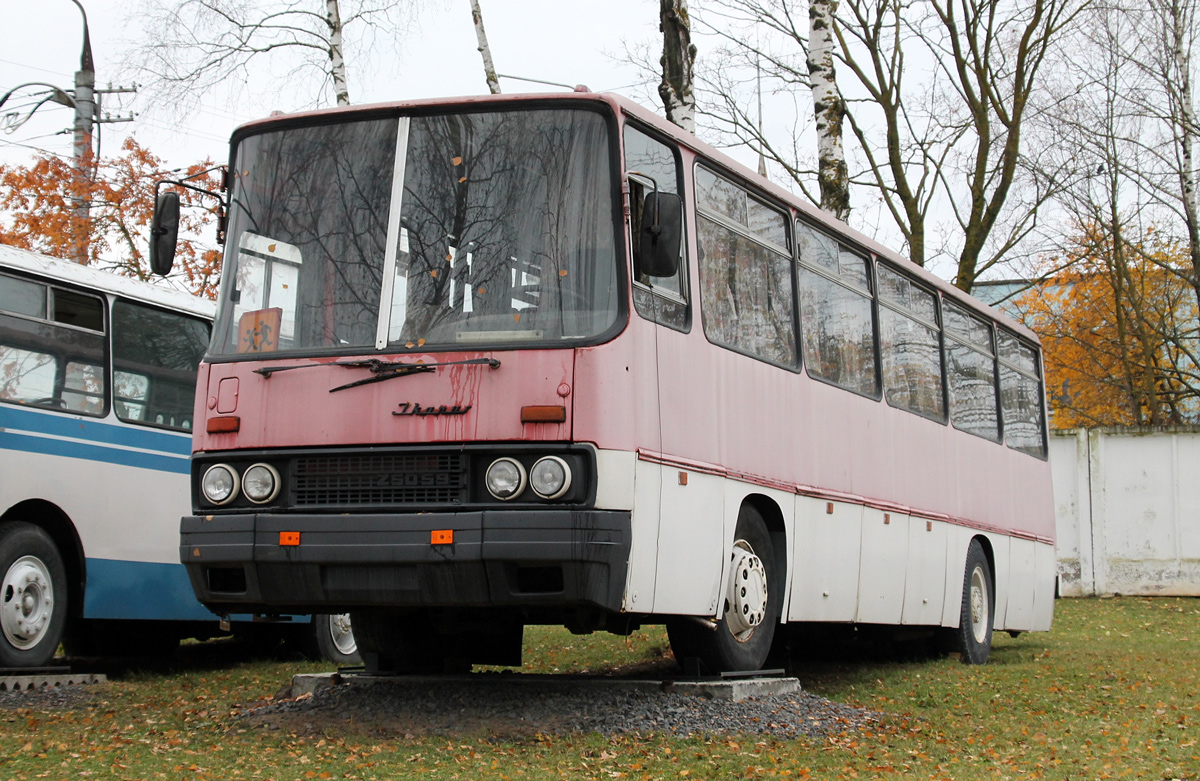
{"x":386,"y":370}
{"x":376,"y":365}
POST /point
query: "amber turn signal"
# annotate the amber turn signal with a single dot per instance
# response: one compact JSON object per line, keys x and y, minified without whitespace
{"x":441,"y":537}
{"x":547,"y":414}
{"x":289,"y":538}
{"x":227,"y":424}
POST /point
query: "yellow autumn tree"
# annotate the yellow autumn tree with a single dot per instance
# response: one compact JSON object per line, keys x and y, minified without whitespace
{"x":37,"y":214}
{"x":1119,"y":332}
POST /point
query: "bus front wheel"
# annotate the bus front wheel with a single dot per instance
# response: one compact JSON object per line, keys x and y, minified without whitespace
{"x":741,"y":639}
{"x":33,"y":596}
{"x":972,"y":639}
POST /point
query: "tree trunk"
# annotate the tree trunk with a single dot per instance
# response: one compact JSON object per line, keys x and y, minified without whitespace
{"x":337,"y":65}
{"x":678,"y":59}
{"x":1180,"y":42}
{"x":489,"y":69}
{"x":829,"y":110}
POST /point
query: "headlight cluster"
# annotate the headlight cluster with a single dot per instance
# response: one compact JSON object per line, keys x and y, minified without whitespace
{"x":507,"y":478}
{"x":221,"y":483}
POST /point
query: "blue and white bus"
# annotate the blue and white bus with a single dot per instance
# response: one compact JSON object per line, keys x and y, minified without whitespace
{"x":97,"y":388}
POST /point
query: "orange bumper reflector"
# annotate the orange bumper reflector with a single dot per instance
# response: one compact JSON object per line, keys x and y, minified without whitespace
{"x":289,"y":538}
{"x":227,"y":424}
{"x":441,"y":537}
{"x":549,"y":414}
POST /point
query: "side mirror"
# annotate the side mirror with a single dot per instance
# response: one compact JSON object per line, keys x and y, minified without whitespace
{"x":164,"y":232}
{"x":662,"y":227}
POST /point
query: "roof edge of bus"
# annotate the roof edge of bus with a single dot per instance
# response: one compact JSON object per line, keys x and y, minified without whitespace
{"x":67,"y":272}
{"x":632,"y":108}
{"x":417,"y":103}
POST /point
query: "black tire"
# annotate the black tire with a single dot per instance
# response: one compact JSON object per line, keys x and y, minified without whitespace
{"x":733,"y":646}
{"x":33,"y":596}
{"x":335,"y":639}
{"x":972,"y":638}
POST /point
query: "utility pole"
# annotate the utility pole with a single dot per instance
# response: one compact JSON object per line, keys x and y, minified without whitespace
{"x":85,"y":111}
{"x":85,"y":100}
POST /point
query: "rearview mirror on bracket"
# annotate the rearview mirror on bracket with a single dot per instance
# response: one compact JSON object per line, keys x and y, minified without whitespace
{"x":164,"y":232}
{"x":662,"y":227}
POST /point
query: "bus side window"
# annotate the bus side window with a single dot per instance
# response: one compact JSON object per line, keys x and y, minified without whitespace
{"x":1021,"y":396}
{"x":651,"y":163}
{"x":745,"y":271}
{"x":971,"y":372}
{"x":910,"y":345}
{"x":155,"y":359}
{"x":51,"y":347}
{"x":836,"y":321}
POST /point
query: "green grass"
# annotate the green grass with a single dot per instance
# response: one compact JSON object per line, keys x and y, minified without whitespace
{"x":1112,"y":692}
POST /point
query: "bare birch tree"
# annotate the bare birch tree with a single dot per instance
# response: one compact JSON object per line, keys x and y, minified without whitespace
{"x":947,"y":142}
{"x":489,"y":69}
{"x":678,"y":62}
{"x":193,"y":46}
{"x":1166,"y":58}
{"x":828,"y":108}
{"x":1125,"y":257}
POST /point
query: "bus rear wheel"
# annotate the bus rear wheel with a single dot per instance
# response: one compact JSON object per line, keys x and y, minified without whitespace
{"x":334,"y":634}
{"x":33,"y":596}
{"x":741,"y":639}
{"x":972,"y":639}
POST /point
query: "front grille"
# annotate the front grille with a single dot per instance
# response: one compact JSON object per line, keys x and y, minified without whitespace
{"x":418,"y":479}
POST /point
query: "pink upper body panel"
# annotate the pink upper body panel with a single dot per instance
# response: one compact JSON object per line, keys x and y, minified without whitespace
{"x":465,"y":403}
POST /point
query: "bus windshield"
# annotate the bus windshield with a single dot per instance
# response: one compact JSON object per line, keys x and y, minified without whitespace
{"x":458,"y":231}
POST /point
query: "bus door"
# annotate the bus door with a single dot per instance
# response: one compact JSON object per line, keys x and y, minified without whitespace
{"x":690,"y":533}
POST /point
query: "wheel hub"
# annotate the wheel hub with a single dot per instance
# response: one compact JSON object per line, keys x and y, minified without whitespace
{"x":342,"y":634}
{"x":746,"y":597}
{"x":979,"y":605}
{"x":28,"y":602}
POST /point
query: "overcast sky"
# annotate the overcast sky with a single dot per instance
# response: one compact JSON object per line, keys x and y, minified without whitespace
{"x":569,"y":41}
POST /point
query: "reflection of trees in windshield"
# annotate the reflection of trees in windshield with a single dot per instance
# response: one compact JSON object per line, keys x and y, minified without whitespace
{"x":509,"y":228}
{"x":324,"y":190}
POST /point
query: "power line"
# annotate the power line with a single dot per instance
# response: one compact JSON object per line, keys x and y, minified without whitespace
{"x":34,"y":148}
{"x":60,"y":74}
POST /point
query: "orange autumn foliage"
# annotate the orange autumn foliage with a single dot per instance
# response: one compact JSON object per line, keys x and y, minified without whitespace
{"x":1118,"y":332}
{"x":37,"y":214}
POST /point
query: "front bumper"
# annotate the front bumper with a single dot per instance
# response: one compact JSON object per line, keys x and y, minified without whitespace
{"x":517,"y":558}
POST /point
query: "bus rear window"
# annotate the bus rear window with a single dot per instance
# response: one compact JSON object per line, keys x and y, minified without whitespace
{"x":155,"y":358}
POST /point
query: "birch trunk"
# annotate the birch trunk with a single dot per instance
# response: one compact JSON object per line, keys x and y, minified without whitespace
{"x":829,"y":110}
{"x":489,"y":69}
{"x":678,"y":60}
{"x":1180,"y":43}
{"x":337,"y":64}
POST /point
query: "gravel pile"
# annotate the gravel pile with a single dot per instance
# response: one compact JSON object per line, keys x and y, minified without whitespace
{"x":505,"y":709}
{"x":48,"y":697}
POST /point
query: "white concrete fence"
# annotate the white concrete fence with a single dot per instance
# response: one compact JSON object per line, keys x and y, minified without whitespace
{"x":1127,"y":503}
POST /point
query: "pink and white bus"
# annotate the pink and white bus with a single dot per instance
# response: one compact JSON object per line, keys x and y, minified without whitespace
{"x":493,"y":362}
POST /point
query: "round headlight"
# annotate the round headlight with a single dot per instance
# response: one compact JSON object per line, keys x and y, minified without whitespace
{"x":505,"y":478}
{"x":550,"y":477}
{"x":260,"y":483}
{"x":219,"y":484}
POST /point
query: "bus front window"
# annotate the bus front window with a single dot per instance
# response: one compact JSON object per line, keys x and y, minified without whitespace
{"x":458,"y":231}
